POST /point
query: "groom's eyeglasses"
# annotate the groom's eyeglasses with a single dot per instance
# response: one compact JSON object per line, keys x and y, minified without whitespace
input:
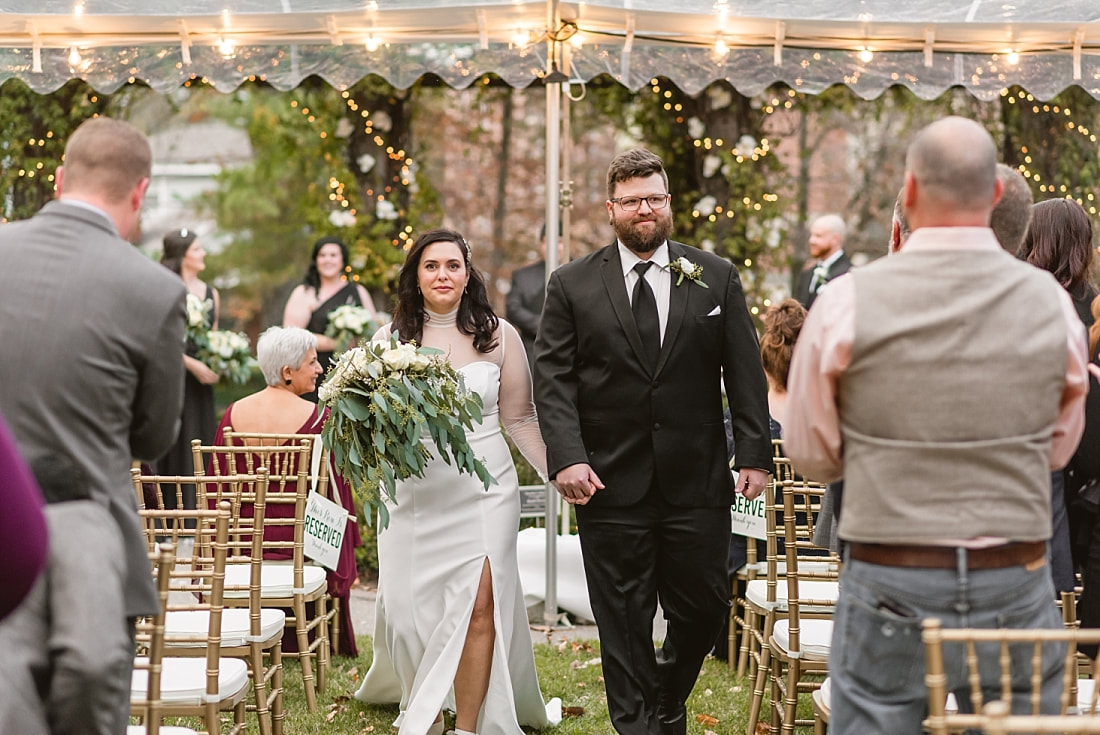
{"x":632,"y":204}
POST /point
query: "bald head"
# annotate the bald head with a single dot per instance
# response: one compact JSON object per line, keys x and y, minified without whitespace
{"x":1012,"y":214}
{"x":826,"y":235}
{"x":950,"y":175}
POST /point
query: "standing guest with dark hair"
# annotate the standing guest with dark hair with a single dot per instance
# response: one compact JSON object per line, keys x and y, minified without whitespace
{"x":450,"y":613}
{"x":324,"y":288}
{"x":92,"y":332}
{"x":636,"y":342}
{"x":1059,"y":240}
{"x":184,"y":255}
{"x":944,"y":383}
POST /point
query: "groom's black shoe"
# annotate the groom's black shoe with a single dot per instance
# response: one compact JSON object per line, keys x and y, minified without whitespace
{"x":672,"y":718}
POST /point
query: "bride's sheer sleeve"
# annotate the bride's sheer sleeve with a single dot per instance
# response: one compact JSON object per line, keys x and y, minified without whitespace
{"x":517,"y":402}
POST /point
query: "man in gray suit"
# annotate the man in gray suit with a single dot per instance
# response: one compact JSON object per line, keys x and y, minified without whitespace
{"x":92,"y":377}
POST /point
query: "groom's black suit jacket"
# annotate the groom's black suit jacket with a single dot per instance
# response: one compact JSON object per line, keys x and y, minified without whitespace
{"x":599,"y":403}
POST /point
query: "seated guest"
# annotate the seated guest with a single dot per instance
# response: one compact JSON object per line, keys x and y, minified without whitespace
{"x":288,"y":360}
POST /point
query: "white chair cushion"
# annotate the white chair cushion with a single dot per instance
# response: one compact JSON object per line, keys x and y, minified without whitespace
{"x":276,"y":580}
{"x":827,"y":694}
{"x":1085,"y":688}
{"x":756,"y":592}
{"x":235,"y":626}
{"x":164,"y":730}
{"x":815,"y":637}
{"x":183,"y":680}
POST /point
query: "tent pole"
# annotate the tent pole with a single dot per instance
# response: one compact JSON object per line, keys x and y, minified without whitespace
{"x":553,"y":195}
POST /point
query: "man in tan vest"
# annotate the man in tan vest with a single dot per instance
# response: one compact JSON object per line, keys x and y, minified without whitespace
{"x":944,"y":383}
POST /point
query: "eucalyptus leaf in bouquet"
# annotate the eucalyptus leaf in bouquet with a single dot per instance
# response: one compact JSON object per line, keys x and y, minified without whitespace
{"x":227,"y":353}
{"x":385,"y":397}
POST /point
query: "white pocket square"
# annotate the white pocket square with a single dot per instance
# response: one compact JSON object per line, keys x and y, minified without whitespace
{"x":715,"y":311}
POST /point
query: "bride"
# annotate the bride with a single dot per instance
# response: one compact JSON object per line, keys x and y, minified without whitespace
{"x":451,"y":628}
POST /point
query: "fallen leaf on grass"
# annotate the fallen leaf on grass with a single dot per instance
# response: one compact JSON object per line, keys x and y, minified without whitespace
{"x":762,"y":728}
{"x":706,"y":720}
{"x":574,"y":665}
{"x":572,"y":711}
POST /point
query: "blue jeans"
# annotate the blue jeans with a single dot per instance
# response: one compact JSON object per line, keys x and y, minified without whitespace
{"x":877,"y":662}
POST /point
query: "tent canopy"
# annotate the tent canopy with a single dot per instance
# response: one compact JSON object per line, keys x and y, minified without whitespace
{"x":869,"y":45}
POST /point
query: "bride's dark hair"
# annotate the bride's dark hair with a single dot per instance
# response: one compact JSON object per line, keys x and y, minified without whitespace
{"x":475,"y":314}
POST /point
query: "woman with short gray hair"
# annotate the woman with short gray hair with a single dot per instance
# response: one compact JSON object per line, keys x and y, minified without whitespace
{"x":288,"y":360}
{"x":281,"y":347}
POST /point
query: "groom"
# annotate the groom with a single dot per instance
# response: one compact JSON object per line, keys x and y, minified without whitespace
{"x":635,"y":342}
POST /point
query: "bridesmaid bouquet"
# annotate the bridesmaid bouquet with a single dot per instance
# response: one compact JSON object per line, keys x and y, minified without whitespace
{"x":347,"y":323}
{"x":228,"y":354}
{"x":198,"y":311}
{"x":384,"y":396}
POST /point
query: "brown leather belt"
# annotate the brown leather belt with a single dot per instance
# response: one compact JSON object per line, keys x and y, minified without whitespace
{"x":1017,"y":553}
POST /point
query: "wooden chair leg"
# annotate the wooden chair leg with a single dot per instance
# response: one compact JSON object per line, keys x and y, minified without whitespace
{"x":259,"y":687}
{"x":334,"y":629}
{"x":305,"y":656}
{"x":277,"y":714}
{"x":755,"y":704}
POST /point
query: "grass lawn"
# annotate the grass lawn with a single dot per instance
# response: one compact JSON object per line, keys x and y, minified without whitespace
{"x":567,"y":669}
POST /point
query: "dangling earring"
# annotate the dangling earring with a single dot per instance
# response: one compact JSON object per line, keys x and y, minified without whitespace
{"x":288,"y":381}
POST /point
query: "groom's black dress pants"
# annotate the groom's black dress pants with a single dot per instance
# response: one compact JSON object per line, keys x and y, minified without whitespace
{"x":633,"y":557}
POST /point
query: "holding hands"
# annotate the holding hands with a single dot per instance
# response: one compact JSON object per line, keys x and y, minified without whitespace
{"x":577,"y":483}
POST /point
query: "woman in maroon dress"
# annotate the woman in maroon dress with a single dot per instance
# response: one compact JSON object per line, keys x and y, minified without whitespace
{"x":288,"y":360}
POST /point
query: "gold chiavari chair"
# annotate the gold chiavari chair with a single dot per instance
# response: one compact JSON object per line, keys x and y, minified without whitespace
{"x":196,"y":686}
{"x":286,"y":580}
{"x":801,"y":640}
{"x":146,"y":704}
{"x":745,"y":637}
{"x":1021,"y":655}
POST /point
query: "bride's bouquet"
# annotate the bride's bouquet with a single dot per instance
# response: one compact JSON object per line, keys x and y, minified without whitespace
{"x":384,"y":396}
{"x":228,"y":354}
{"x":347,"y":324}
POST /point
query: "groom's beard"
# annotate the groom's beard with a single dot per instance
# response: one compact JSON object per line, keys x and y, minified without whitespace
{"x":643,"y":240}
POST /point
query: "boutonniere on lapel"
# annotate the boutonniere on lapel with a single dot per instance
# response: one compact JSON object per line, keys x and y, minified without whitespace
{"x":684,"y":268}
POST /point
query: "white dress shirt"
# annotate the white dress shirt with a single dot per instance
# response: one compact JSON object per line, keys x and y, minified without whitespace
{"x":659,"y":279}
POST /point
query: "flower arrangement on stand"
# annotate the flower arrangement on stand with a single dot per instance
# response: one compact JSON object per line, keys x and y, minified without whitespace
{"x":348,"y":324}
{"x":386,"y":399}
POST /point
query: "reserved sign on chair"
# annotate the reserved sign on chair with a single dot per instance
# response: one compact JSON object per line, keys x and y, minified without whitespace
{"x":325,"y":524}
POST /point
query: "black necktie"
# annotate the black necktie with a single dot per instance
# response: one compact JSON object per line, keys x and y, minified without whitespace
{"x":644,"y":306}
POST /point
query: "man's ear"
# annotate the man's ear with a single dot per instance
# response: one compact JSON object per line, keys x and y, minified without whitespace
{"x":137,"y":195}
{"x":895,"y":236}
{"x":58,"y":177}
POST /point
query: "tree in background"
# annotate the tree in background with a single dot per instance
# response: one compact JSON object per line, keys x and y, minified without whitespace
{"x":33,"y":131}
{"x":722,"y":171}
{"x":325,"y":162}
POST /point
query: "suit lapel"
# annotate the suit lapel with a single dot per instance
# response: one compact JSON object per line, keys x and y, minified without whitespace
{"x":677,"y":307}
{"x":613,"y":281}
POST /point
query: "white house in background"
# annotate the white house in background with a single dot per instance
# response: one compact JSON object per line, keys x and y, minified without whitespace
{"x":185,"y":160}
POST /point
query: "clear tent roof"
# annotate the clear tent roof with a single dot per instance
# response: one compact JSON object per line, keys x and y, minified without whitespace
{"x":869,"y":45}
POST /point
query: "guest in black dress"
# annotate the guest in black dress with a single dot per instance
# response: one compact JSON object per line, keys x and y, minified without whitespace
{"x":324,"y":288}
{"x":184,"y":255}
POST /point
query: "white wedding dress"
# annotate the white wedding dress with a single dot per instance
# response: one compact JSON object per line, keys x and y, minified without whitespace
{"x":430,"y":557}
